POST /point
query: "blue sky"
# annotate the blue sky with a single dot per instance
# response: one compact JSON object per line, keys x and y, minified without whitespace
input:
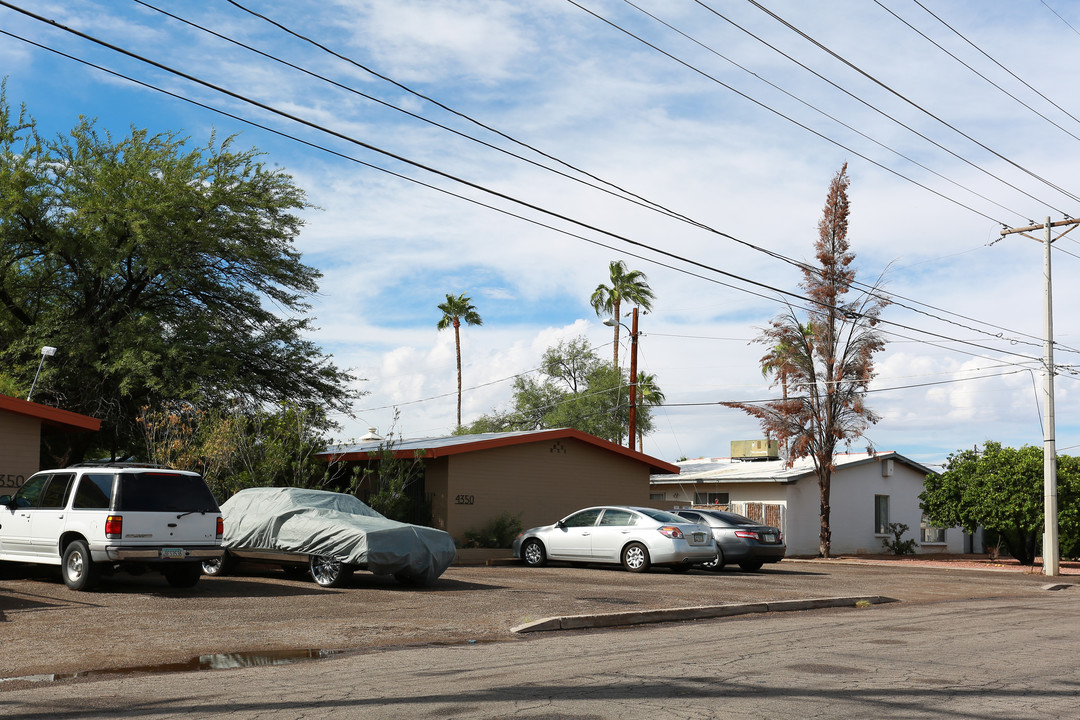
{"x":695,"y":130}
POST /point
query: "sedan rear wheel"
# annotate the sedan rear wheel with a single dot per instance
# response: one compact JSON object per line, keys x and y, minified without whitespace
{"x":635,"y":558}
{"x":532,"y":552}
{"x":751,"y":565}
{"x":328,"y":572}
{"x":717,"y":563}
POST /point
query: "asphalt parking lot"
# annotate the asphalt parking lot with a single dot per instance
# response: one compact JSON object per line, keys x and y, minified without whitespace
{"x":140,"y":622}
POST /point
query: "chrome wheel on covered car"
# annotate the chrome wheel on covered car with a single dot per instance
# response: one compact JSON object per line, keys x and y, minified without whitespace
{"x":328,"y":572}
{"x":218,"y":566}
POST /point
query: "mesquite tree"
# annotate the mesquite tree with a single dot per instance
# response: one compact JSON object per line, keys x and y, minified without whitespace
{"x":825,"y":361}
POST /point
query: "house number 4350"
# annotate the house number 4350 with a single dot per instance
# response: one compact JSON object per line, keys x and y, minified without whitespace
{"x":464,"y":499}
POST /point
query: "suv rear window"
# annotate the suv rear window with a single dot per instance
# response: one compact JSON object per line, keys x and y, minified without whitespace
{"x":158,"y":491}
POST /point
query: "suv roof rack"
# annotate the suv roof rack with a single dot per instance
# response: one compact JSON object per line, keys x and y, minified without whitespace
{"x":110,"y":463}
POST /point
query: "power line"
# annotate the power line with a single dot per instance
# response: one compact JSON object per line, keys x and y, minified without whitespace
{"x":817,"y":109}
{"x":915,"y":105}
{"x":630,"y":196}
{"x":983,"y":52}
{"x":439,"y":173}
{"x":1010,"y":72}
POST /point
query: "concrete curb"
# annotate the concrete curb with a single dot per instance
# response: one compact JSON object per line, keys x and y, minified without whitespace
{"x":639,"y":617}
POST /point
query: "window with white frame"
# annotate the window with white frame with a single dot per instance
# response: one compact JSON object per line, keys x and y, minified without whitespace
{"x":881,"y":514}
{"x":711,"y":498}
{"x":931,"y":533}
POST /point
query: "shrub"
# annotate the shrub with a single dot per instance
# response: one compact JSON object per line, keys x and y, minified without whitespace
{"x":498,"y":533}
{"x":898,"y":546}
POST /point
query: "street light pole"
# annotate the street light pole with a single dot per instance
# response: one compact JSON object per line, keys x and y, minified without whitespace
{"x":46,"y":351}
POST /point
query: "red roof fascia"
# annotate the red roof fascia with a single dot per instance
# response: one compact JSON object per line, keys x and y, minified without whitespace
{"x":655,"y":465}
{"x":49,"y":415}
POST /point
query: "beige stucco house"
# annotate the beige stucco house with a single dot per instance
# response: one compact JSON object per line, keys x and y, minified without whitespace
{"x":538,"y":476}
{"x":21,"y":425}
{"x":869,"y":491}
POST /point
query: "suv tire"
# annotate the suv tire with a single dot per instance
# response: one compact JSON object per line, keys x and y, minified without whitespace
{"x":78,"y":568}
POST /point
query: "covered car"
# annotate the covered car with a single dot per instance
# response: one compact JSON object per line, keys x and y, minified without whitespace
{"x":331,"y":533}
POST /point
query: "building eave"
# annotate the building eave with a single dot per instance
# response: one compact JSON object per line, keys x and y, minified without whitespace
{"x":434,"y":448}
{"x":48,"y":415}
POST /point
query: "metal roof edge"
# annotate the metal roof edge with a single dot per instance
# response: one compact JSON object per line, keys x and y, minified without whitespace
{"x":49,"y":415}
{"x":656,"y":466}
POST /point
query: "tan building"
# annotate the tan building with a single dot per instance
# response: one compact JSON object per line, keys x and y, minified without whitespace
{"x":21,"y":426}
{"x":537,"y":476}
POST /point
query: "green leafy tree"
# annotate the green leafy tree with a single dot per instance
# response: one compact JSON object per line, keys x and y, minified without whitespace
{"x":234,"y":449}
{"x":161,"y":271}
{"x":1001,"y":489}
{"x":455,"y":310}
{"x":826,"y":360}
{"x":626,"y":285}
{"x":575,"y":389}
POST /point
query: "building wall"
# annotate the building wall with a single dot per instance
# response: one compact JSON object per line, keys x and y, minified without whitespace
{"x":539,"y":483}
{"x":852,"y":504}
{"x":20,"y":450}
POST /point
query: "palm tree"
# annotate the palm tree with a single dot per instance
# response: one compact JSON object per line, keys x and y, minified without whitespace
{"x":631,"y":286}
{"x":649,"y":394}
{"x":454,"y":310}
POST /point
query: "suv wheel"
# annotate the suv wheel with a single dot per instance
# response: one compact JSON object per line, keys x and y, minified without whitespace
{"x":79,"y":570}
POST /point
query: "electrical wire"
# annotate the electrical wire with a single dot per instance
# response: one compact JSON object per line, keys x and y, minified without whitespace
{"x":424,"y":167}
{"x":969,"y":67}
{"x":915,"y":105}
{"x":632,"y":197}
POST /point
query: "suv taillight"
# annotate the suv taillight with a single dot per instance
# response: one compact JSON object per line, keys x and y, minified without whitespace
{"x":220,"y":528}
{"x":114,"y":527}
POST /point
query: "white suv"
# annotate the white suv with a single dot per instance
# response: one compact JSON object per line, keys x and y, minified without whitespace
{"x":94,"y":518}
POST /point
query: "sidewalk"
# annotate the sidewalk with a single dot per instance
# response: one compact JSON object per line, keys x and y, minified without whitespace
{"x":957,"y":562}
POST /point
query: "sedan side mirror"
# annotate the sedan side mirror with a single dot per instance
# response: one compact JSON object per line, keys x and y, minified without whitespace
{"x":5,"y":500}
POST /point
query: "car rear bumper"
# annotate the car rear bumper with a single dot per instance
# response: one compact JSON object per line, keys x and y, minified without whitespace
{"x":113,"y":553}
{"x":682,"y":553}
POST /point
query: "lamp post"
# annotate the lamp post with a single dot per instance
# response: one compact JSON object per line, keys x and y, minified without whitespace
{"x":610,"y":322}
{"x":46,"y":351}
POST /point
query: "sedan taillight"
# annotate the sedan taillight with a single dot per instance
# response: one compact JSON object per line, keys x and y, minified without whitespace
{"x":114,"y":527}
{"x":671,"y":531}
{"x":220,"y":527}
{"x":747,"y":534}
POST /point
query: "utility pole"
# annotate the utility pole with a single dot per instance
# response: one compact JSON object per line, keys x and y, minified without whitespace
{"x":1050,"y":506}
{"x":633,"y":378}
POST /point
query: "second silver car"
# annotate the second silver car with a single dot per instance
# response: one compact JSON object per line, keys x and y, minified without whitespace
{"x":636,"y":537}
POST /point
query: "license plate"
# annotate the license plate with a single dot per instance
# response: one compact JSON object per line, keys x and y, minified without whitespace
{"x":768,"y":537}
{"x":699,"y":537}
{"x":172,"y":553}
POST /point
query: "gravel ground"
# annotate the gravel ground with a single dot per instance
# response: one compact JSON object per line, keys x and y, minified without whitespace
{"x":140,"y":622}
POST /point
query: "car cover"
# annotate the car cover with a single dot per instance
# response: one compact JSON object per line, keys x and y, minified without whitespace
{"x":329,"y":524}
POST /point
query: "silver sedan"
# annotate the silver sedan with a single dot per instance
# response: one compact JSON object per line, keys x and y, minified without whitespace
{"x":636,"y":537}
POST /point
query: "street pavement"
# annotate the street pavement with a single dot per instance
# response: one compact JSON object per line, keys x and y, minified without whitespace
{"x":986,"y":658}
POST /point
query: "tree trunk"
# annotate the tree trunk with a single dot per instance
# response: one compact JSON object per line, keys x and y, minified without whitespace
{"x":457,"y":347}
{"x":615,"y":311}
{"x":825,"y":536}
